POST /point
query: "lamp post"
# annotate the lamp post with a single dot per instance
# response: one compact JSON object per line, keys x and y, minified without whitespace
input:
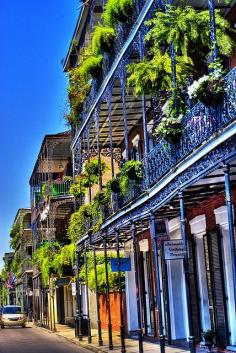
{"x":78,"y":315}
{"x":87,"y":295}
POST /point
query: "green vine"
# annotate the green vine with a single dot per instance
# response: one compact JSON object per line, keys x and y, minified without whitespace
{"x":65,"y":257}
{"x":43,"y":259}
{"x":101,"y":275}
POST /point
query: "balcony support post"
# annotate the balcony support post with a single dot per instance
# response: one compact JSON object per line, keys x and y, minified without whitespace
{"x":231,"y":227}
{"x":192,"y":345}
{"x":97,"y":127}
{"x":100,"y":341}
{"x":109,"y":107}
{"x":87,"y":295}
{"x":109,"y":324}
{"x":79,"y":317}
{"x":122,"y":328}
{"x":145,"y":132}
{"x":214,"y":50}
{"x":154,"y":237}
{"x":137,"y":284}
{"x":123,"y":92}
{"x":88,"y":152}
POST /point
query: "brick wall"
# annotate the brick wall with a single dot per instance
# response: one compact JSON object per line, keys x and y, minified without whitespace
{"x":115,"y":311}
{"x":207,"y":207}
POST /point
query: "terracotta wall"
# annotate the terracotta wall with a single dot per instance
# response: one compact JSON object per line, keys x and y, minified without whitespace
{"x":115,"y":311}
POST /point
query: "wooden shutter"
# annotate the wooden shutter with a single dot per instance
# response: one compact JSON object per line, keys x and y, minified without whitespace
{"x":216,"y":283}
{"x":166,"y":300}
{"x":193,"y":289}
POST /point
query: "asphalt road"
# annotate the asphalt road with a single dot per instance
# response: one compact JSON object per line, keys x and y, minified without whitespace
{"x":34,"y":340}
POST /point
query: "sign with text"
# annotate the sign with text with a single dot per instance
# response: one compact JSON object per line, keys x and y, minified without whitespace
{"x":73,"y":288}
{"x":125,"y":264}
{"x":173,"y":249}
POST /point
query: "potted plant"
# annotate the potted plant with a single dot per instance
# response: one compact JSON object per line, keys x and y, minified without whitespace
{"x":208,"y":339}
{"x":114,"y":185}
{"x":103,"y":38}
{"x":92,"y":65}
{"x":117,"y":10}
{"x":133,"y":170}
{"x":209,"y":89}
{"x":92,"y":169}
{"x":169,"y":127}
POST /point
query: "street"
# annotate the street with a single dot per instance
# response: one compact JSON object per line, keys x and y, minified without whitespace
{"x":34,"y":340}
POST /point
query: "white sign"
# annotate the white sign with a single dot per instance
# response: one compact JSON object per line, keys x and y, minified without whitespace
{"x":173,"y":249}
{"x":143,"y":245}
{"x":73,"y":288}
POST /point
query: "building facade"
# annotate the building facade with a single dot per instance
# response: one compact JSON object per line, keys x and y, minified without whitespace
{"x":175,"y":222}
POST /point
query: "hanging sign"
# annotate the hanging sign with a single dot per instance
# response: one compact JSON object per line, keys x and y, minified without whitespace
{"x":173,"y":249}
{"x":162,"y":232}
{"x":143,"y":245}
{"x":125,"y":264}
{"x":73,"y":288}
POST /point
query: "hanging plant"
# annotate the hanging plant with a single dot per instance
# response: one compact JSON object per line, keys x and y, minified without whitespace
{"x":117,"y":11}
{"x":131,"y":170}
{"x":188,"y":30}
{"x":92,"y":65}
{"x":114,"y":185}
{"x":103,"y":38}
{"x":209,"y":89}
{"x":64,"y":258}
{"x":150,"y":76}
{"x":102,"y":198}
{"x":79,"y":222}
{"x":80,"y":186}
{"x":169,"y":127}
{"x":92,"y":169}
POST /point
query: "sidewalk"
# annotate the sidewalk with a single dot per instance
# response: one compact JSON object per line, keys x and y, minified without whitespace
{"x":131,"y":344}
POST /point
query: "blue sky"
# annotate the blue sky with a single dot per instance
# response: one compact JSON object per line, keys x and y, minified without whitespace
{"x":35,"y":36}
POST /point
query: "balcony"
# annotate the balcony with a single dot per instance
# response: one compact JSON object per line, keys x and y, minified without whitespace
{"x":200,"y":126}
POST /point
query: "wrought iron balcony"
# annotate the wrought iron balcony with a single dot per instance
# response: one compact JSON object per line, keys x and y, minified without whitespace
{"x":199,"y":125}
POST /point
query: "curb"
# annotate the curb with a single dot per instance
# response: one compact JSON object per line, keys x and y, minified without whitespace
{"x":73,"y":340}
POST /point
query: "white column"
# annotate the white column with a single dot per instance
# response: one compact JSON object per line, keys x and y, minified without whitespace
{"x":222,"y":220}
{"x":130,"y":291}
{"x":177,"y":289}
{"x":198,"y":230}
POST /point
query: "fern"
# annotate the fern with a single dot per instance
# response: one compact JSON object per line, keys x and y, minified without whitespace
{"x":184,"y":27}
{"x":149,"y":76}
{"x":103,"y":38}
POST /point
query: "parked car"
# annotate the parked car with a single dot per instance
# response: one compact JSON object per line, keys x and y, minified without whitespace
{"x":12,"y":315}
{"x":1,"y":311}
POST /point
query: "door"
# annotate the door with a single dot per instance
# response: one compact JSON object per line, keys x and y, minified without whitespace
{"x":216,"y":286}
{"x":147,"y":296}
